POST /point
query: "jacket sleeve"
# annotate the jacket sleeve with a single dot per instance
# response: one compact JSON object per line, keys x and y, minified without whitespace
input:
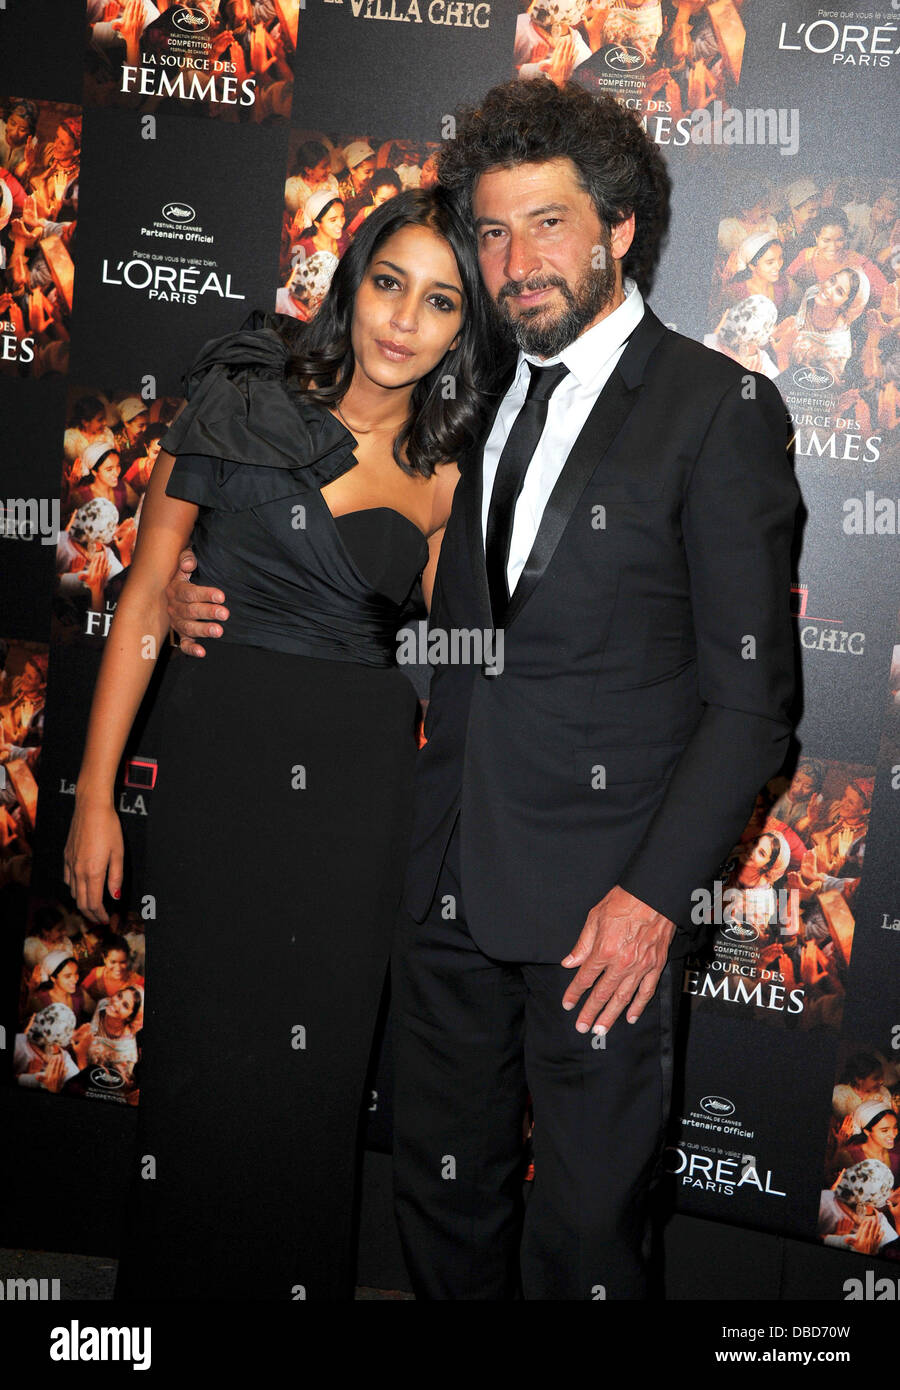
{"x":738,"y":523}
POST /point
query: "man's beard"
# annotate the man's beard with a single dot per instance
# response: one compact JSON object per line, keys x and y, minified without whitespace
{"x":534,"y":330}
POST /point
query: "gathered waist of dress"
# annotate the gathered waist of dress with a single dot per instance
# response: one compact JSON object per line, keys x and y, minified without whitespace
{"x":362,"y":638}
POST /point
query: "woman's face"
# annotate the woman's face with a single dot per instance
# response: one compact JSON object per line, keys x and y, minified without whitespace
{"x":884,"y":1132}
{"x":120,"y":1005}
{"x":756,"y":857}
{"x":17,"y":129}
{"x":761,"y":853}
{"x":831,"y":241}
{"x":852,"y":805}
{"x":768,"y":267}
{"x":363,"y":171}
{"x":384,"y":194}
{"x":64,"y":146}
{"x":835,"y":292}
{"x":109,"y":470}
{"x":67,"y":978}
{"x":332,"y":224}
{"x":408,"y":309}
{"x":867,"y":1085}
{"x":116,"y":963}
{"x":95,"y":424}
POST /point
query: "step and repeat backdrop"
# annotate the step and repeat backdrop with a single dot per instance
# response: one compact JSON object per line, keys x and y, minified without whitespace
{"x":165,"y":168}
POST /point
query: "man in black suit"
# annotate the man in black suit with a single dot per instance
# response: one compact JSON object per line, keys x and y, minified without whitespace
{"x":637,"y":560}
{"x":626,"y":522}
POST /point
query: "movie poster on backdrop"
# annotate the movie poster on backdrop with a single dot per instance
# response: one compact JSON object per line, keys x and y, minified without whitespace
{"x":81,"y":1003}
{"x":806,"y":290}
{"x":23,"y":687}
{"x":859,"y":1208}
{"x":334,"y":182}
{"x":111,"y":442}
{"x":225,"y":59}
{"x":676,"y":63}
{"x":782,"y":912}
{"x":40,"y":159}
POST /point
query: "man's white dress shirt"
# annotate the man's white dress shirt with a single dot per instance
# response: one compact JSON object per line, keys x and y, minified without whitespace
{"x":591,"y":360}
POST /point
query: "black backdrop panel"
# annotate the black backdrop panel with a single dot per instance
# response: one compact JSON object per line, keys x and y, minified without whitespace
{"x":181,"y":240}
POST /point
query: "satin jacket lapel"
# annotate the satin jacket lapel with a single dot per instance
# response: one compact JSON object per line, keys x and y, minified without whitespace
{"x":608,"y":414}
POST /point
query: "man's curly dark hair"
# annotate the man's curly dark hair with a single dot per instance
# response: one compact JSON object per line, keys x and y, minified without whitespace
{"x":528,"y":122}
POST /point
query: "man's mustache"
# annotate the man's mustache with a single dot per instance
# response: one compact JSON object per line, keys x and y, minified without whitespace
{"x":513,"y":288}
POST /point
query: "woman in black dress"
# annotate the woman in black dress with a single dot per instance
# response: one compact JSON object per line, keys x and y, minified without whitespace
{"x":313,"y":465}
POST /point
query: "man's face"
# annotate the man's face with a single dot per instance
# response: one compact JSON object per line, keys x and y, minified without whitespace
{"x":547,"y":261}
{"x":805,"y":213}
{"x":884,"y":209}
{"x":802,"y":785}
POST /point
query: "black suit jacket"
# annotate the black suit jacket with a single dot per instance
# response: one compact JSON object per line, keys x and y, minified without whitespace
{"x":648,"y":660}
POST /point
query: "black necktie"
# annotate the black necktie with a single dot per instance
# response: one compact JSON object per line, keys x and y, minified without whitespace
{"x":511,"y":469}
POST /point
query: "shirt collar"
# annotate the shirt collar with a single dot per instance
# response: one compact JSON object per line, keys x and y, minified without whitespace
{"x":590,"y":353}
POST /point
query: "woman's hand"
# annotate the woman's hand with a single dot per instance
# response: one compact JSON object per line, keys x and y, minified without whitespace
{"x":94,"y":577}
{"x":94,"y":853}
{"x":126,"y":539}
{"x":53,"y":1077}
{"x":846,"y":1130}
{"x":868,"y":1236}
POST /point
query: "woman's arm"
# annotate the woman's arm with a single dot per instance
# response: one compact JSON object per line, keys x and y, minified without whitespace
{"x":139,"y":627}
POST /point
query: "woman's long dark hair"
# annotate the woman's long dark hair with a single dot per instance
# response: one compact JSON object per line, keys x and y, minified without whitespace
{"x":444,"y":419}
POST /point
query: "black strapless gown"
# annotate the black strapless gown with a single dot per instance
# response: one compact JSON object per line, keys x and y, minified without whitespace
{"x":275,"y":854}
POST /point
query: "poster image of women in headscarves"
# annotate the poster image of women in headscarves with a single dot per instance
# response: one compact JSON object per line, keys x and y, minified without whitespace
{"x":81,"y":1005}
{"x":783,"y":909}
{"x":859,"y":1209}
{"x":111,"y":443}
{"x":231,"y":60}
{"x":667,"y":60}
{"x":806,"y":289}
{"x":40,"y":158}
{"x":23,"y":686}
{"x":333,"y":183}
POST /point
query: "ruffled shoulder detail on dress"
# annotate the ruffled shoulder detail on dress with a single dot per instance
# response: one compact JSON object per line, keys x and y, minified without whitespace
{"x":243,"y":408}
